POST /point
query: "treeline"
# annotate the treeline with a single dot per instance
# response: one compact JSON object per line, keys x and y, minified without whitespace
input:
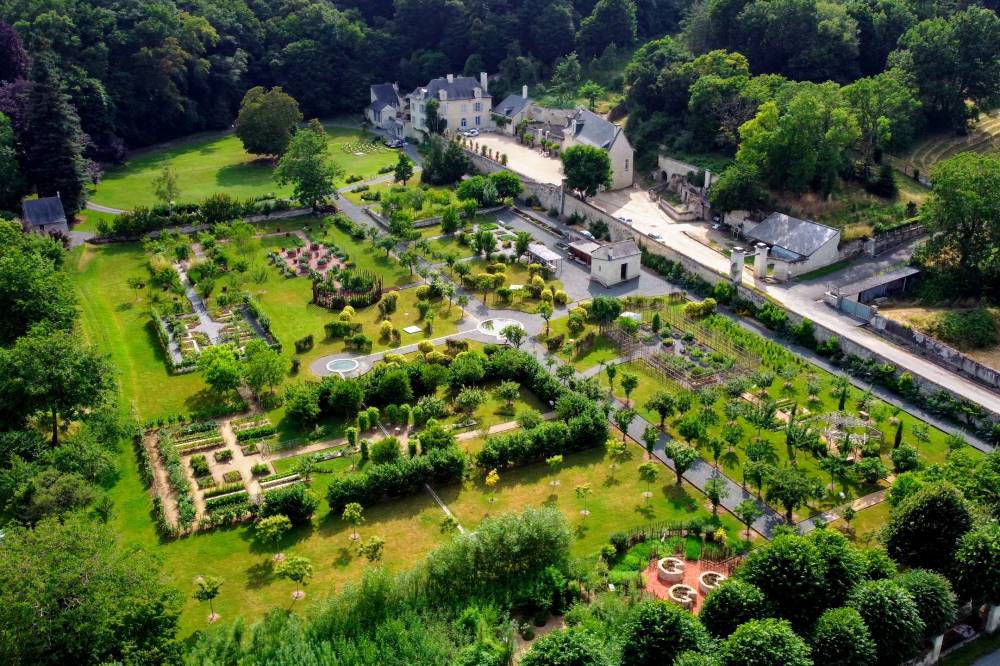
{"x":796,"y":88}
{"x":87,"y":79}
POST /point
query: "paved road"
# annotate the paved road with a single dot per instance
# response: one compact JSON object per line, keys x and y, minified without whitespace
{"x":648,"y":218}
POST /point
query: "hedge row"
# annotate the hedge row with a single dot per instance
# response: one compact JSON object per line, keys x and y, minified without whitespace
{"x":579,"y":432}
{"x":257,"y":432}
{"x":398,"y":479}
{"x":213,"y":210}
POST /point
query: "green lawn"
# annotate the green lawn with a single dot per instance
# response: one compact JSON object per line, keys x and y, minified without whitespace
{"x":516,"y":273}
{"x":867,"y":523}
{"x":214,"y":163}
{"x":494,"y":410}
{"x":436,"y":198}
{"x":604,"y":350}
{"x":410,"y":527}
{"x":616,"y":503}
{"x":89,"y":219}
{"x":120,"y":325}
{"x":932,"y":450}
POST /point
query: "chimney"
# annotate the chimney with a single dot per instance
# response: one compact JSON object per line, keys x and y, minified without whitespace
{"x":524,"y":92}
{"x":443,"y":94}
{"x":451,"y":78}
{"x":483,"y":83}
{"x":760,"y":262}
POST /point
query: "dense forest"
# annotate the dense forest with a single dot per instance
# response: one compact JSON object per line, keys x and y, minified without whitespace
{"x":83,"y":81}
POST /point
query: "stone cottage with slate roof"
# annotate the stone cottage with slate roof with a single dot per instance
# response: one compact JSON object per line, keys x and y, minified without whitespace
{"x":44,"y":216}
{"x":589,"y":129}
{"x":514,"y":109}
{"x":385,"y":109}
{"x":796,"y":246}
{"x":615,"y":263}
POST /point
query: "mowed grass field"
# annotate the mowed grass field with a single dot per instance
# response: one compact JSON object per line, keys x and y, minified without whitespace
{"x":616,"y":502}
{"x":214,"y":163}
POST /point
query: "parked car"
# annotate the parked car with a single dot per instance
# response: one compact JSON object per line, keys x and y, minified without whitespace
{"x":471,"y":132}
{"x":562,"y":246}
{"x":586,"y":234}
{"x":395,"y":143}
{"x":656,"y":237}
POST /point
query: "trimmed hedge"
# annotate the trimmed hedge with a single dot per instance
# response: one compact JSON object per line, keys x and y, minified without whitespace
{"x":257,"y":432}
{"x":580,"y":432}
{"x":398,"y":479}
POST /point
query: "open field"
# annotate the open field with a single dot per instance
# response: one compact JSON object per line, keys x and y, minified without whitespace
{"x":218,"y":163}
{"x":616,"y":502}
{"x":117,"y":321}
{"x":410,"y":528}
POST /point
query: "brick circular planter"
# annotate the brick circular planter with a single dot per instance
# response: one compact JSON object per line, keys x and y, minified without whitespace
{"x":683,"y":595}
{"x":710,"y":580}
{"x":670,"y":570}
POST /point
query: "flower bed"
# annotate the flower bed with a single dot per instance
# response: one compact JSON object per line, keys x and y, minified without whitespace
{"x":224,"y":489}
{"x":199,"y":465}
{"x":227,"y":502}
{"x":223,"y":456}
{"x":200,"y":445}
{"x":232,"y":477}
{"x":177,"y":478}
{"x":205,"y":482}
{"x":250,"y":449}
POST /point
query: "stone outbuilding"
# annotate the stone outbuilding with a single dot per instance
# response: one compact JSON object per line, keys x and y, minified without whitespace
{"x":44,"y":216}
{"x":615,"y":263}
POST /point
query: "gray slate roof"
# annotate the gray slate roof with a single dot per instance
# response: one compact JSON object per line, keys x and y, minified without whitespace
{"x":461,"y":87}
{"x":614,"y":251}
{"x":800,"y":237}
{"x":385,"y":95}
{"x":511,"y":105}
{"x":855,"y":288}
{"x":592,"y":129}
{"x":47,"y":211}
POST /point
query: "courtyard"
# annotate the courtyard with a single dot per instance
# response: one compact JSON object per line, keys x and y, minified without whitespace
{"x":531,"y":162}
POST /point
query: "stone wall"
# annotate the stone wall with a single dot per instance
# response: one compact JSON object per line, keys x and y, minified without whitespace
{"x":950,"y":357}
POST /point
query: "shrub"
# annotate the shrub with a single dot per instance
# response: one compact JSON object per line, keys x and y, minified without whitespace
{"x":260,"y":469}
{"x":257,"y":432}
{"x":700,"y":310}
{"x":732,"y":604}
{"x":294,"y":501}
{"x":385,"y":451}
{"x":658,"y":631}
{"x":966,"y":329}
{"x":892,"y":617}
{"x":905,"y":459}
{"x":303,"y":345}
{"x":397,"y":479}
{"x":225,"y":455}
{"x":199,"y":465}
{"x":772,"y":316}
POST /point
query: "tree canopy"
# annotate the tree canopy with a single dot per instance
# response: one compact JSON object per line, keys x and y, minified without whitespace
{"x":267,"y":120}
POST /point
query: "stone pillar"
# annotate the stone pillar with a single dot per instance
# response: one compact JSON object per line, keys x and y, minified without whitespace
{"x":760,"y":262}
{"x":992,"y":619}
{"x":869,"y":247}
{"x":936,"y":648}
{"x":736,"y":261}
